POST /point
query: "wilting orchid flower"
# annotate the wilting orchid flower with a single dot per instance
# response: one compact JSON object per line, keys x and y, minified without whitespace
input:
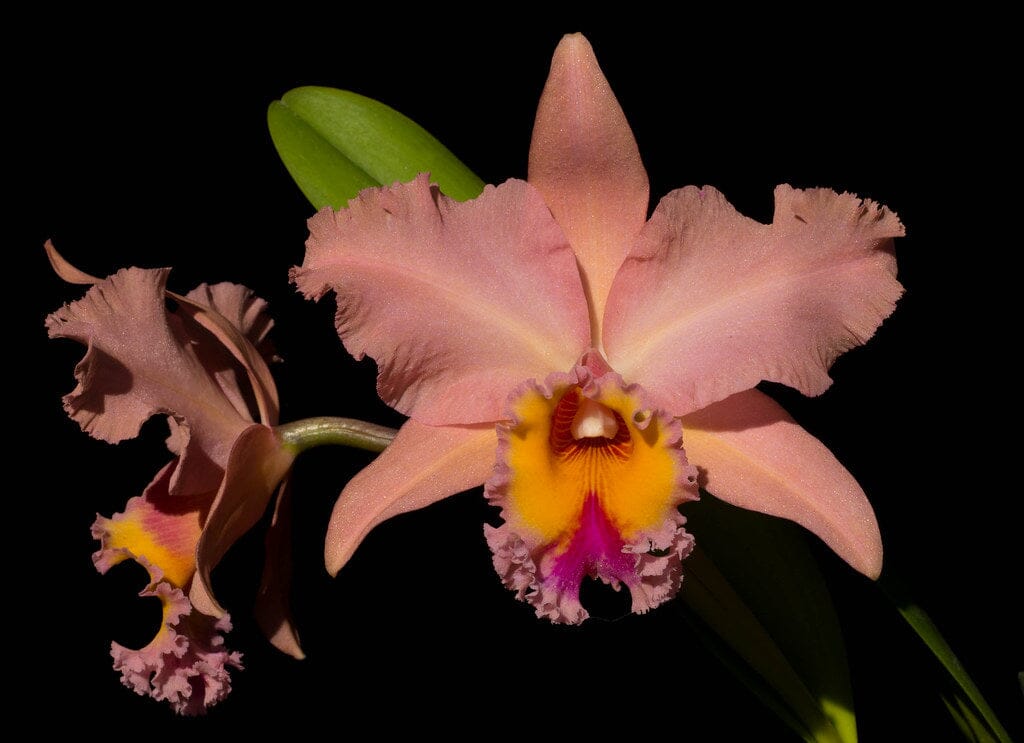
{"x":550,"y":341}
{"x":199,"y":365}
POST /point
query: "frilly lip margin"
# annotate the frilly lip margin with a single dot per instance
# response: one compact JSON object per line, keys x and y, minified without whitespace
{"x":659,"y":552}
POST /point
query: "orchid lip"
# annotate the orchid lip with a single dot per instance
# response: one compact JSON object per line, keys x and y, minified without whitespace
{"x":589,"y":480}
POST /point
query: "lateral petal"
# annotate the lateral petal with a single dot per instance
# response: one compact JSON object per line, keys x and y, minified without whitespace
{"x":240,"y":307}
{"x":240,"y":321}
{"x":126,"y":377}
{"x":585,"y":161}
{"x":424,"y":464}
{"x":236,"y":317}
{"x":710,"y":303}
{"x":456,"y":302}
{"x":752,"y":454}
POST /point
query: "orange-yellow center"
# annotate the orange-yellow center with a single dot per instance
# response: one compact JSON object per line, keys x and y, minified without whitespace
{"x":569,"y":446}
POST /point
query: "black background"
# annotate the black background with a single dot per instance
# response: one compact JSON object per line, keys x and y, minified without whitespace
{"x":149,"y":147}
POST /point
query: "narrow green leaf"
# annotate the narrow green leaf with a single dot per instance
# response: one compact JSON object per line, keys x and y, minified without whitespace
{"x":962,"y":711}
{"x":324,"y":175}
{"x":750,"y":652}
{"x":729,"y":658}
{"x":922,"y":624}
{"x":374,"y":138}
{"x":782,"y":622}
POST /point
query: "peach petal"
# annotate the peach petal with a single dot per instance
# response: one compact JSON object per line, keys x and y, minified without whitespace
{"x":456,"y":302}
{"x":710,"y":303}
{"x":424,"y":464}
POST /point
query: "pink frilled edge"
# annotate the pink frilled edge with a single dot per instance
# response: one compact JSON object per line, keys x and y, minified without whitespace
{"x":648,"y":564}
{"x":186,"y":663}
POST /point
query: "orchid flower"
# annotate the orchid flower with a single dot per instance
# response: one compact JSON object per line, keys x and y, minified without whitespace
{"x":198,"y":364}
{"x":594,"y":367}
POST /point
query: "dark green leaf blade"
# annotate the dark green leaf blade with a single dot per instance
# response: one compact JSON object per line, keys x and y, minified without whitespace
{"x":968,"y":706}
{"x":766,"y":566}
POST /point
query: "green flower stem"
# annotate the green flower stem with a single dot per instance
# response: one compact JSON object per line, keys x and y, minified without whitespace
{"x":330,"y":431}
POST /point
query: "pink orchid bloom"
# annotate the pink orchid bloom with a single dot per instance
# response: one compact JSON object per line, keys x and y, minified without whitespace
{"x":549,"y":340}
{"x":199,"y":365}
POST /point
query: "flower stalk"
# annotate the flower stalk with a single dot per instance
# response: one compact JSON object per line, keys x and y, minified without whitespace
{"x":326,"y":430}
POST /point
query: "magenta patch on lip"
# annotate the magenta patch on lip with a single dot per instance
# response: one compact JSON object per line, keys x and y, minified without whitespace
{"x":595,"y":550}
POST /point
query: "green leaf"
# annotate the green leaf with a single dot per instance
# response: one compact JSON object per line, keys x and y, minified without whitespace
{"x":756,"y":586}
{"x":973,"y":728}
{"x":966,"y":703}
{"x":324,"y":175}
{"x":335,"y":143}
